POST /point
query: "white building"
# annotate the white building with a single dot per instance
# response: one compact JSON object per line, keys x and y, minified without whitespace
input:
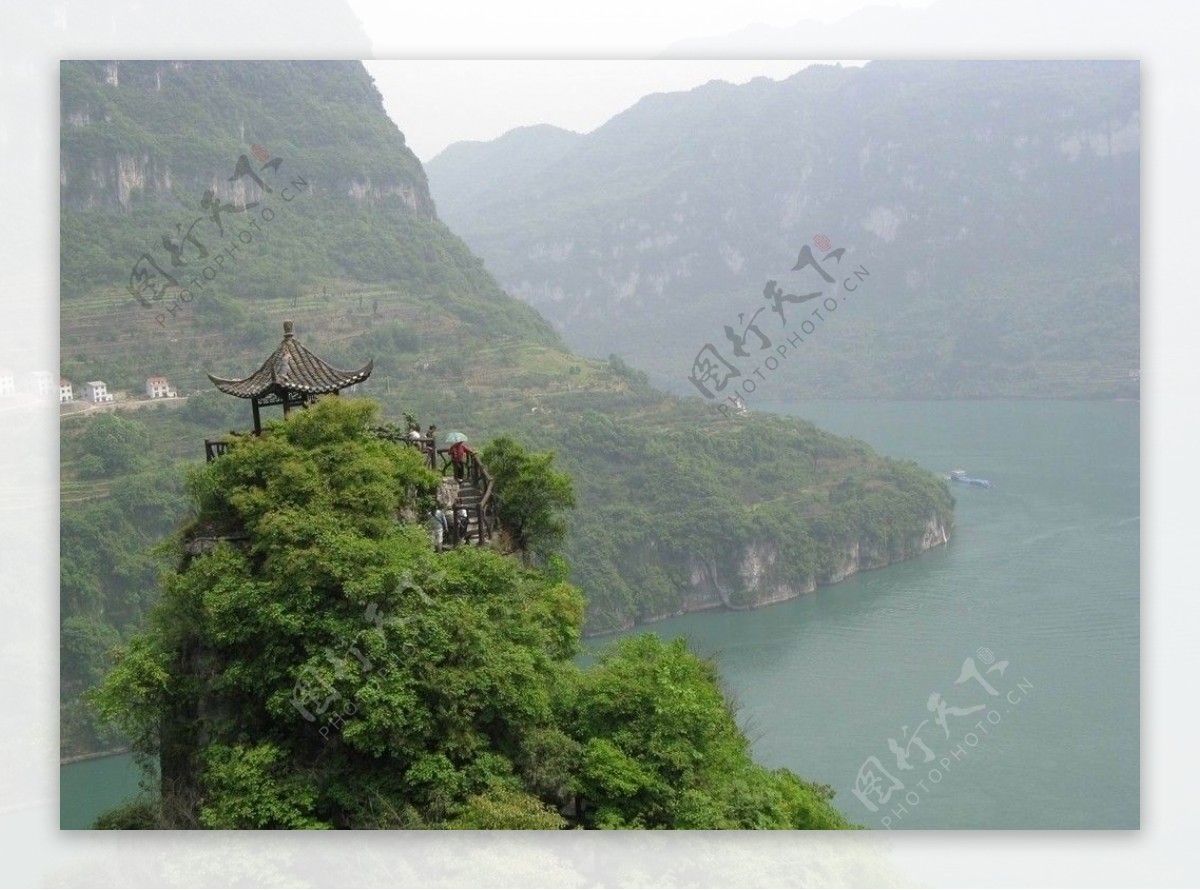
{"x":64,"y":391}
{"x":8,"y":383}
{"x":96,"y":392}
{"x":158,"y":388}
{"x":41,"y":384}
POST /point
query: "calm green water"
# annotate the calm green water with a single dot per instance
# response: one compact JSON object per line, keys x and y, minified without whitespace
{"x":88,"y":788}
{"x":1042,"y":570}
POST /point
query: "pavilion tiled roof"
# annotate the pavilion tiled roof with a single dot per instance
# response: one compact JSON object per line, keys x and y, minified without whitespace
{"x":292,"y":368}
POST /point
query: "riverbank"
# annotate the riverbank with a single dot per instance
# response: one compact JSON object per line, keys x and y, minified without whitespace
{"x":759,"y":584}
{"x":93,"y":755}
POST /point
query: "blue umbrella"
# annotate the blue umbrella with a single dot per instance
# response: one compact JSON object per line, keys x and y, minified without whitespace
{"x":454,"y":438}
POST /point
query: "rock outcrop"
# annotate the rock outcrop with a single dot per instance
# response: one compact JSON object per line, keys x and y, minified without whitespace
{"x":760,"y":582}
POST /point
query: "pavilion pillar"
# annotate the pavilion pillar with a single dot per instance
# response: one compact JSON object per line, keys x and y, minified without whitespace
{"x":257,"y":421}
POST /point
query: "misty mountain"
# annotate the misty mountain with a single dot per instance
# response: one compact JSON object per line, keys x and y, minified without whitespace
{"x":995,"y":206}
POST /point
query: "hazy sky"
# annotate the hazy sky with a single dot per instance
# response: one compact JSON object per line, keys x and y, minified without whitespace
{"x":573,"y":65}
{"x":438,"y":102}
{"x":583,"y":29}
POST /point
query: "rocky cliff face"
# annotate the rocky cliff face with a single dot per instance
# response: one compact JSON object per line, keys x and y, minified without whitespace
{"x":758,"y":580}
{"x":120,"y":180}
{"x":762,"y":585}
{"x":110,"y":162}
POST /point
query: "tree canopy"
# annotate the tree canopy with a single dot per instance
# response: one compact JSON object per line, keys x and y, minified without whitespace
{"x":313,"y":663}
{"x":532,"y":495}
{"x":113,"y":444}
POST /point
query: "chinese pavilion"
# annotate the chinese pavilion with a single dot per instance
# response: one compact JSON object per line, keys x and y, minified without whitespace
{"x":292,"y":377}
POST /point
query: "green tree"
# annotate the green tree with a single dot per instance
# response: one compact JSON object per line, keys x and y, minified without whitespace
{"x":505,"y":807}
{"x":87,"y":646}
{"x":114,"y":445}
{"x":216,"y":411}
{"x":661,"y":749}
{"x":532,"y":496}
{"x":352,"y":677}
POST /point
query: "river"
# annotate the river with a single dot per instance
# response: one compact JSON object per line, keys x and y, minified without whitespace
{"x":89,"y":787}
{"x":1039,"y":588}
{"x":1042,"y":572}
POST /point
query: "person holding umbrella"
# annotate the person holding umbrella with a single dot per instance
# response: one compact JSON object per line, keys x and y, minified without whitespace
{"x":458,"y":452}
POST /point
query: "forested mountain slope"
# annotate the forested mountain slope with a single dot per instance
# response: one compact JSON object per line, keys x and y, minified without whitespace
{"x":996,"y":204}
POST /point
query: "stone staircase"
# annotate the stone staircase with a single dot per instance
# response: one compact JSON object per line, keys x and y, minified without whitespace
{"x":473,"y":490}
{"x":471,"y":495}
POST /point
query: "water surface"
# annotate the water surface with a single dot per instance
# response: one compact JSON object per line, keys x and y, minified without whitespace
{"x":1042,"y":571}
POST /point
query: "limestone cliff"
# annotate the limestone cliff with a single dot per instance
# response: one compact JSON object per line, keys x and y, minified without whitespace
{"x":759,"y":583}
{"x":142,"y":132}
{"x":759,"y":580}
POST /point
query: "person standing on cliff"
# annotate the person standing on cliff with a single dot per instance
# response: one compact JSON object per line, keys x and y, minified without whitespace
{"x":438,"y":525}
{"x":458,"y":456}
{"x":431,"y":444}
{"x":462,"y":521}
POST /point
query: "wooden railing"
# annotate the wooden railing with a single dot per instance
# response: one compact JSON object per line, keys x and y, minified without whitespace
{"x":476,"y":475}
{"x":485,"y":511}
{"x":427,"y":445}
{"x":214,"y":448}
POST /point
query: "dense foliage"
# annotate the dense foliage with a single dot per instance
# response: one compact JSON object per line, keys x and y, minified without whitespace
{"x":114,"y":445}
{"x":531,"y":496}
{"x":313,"y":663}
{"x":660,"y":749}
{"x":678,"y":490}
{"x":108,"y":578}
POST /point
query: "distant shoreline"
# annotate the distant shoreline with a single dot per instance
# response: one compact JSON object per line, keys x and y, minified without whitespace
{"x":95,"y":755}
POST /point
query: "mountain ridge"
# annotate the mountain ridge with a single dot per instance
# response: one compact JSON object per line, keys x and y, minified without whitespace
{"x":977,"y":186}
